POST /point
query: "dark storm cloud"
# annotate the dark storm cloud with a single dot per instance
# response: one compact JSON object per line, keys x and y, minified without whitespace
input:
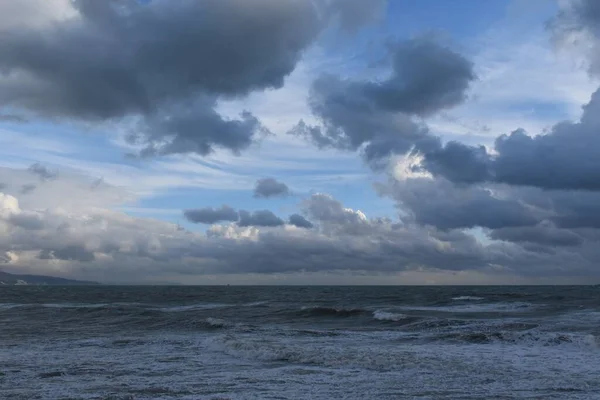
{"x":243,"y":218}
{"x":194,"y":128}
{"x":165,"y":63}
{"x":270,"y":187}
{"x":441,"y":204}
{"x":544,"y":235}
{"x":426,"y":77}
{"x":42,"y":172}
{"x":567,"y":157}
{"x":299,"y":221}
{"x":211,"y":215}
{"x":259,"y":218}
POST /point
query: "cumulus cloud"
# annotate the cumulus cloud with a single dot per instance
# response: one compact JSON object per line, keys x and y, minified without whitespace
{"x":259,"y":218}
{"x":270,"y":187}
{"x":376,"y":116}
{"x":542,"y":234}
{"x":211,"y":215}
{"x":567,"y":157}
{"x":243,"y":218}
{"x":441,"y":204}
{"x":299,"y":221}
{"x":96,"y":243}
{"x":162,"y":63}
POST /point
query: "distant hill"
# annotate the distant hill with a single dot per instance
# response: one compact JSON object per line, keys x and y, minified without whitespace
{"x":12,"y":279}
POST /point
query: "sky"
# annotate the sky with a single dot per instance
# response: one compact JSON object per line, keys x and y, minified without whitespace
{"x":301,"y":141}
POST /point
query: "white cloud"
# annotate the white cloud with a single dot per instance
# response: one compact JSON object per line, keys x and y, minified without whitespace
{"x":34,"y":13}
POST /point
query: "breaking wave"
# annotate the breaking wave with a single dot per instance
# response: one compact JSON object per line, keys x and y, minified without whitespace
{"x":319,"y":311}
{"x":464,"y":298}
{"x":388,"y":316}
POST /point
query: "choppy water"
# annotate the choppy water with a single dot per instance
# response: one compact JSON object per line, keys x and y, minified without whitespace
{"x":299,"y":342}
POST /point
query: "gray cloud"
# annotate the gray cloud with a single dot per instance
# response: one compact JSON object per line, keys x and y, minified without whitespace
{"x":299,"y":221}
{"x":441,"y":204}
{"x":27,"y":221}
{"x":12,"y":118}
{"x":42,"y":172}
{"x":580,"y":16}
{"x":270,"y":187}
{"x":259,"y":218}
{"x":27,"y":188}
{"x":567,"y":157}
{"x":211,"y":215}
{"x":165,"y":63}
{"x":353,"y":14}
{"x":426,"y":77}
{"x":543,"y":235}
{"x":100,"y":243}
{"x":68,"y":253}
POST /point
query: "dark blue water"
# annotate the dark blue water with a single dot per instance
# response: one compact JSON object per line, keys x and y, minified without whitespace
{"x":299,"y":342}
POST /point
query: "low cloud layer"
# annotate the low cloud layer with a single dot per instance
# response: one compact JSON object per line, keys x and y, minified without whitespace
{"x":95,"y":243}
{"x":243,"y":218}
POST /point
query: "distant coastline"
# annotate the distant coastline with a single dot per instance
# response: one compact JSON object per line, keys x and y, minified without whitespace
{"x":7,"y":279}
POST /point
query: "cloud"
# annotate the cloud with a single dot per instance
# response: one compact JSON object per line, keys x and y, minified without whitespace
{"x":567,"y":157}
{"x":543,"y":234}
{"x":353,"y":14}
{"x":270,"y":187}
{"x":42,"y":172}
{"x":164,"y":64}
{"x":28,"y":188}
{"x":68,"y":253}
{"x":50,"y":194}
{"x":441,"y":204}
{"x":259,"y":218}
{"x":299,"y":221}
{"x":577,"y":19}
{"x":211,"y":215}
{"x":26,"y":221}
{"x":376,"y":116}
{"x":93,"y":243}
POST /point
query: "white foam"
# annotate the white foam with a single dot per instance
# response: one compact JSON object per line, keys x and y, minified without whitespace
{"x":191,"y":307}
{"x":475,"y":308}
{"x":464,"y":298}
{"x":216,"y":322}
{"x":8,"y":306}
{"x":388,"y":316}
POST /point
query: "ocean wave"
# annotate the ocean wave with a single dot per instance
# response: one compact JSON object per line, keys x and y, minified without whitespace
{"x":464,"y":298}
{"x":320,"y":311}
{"x":216,"y":322}
{"x":388,"y":316}
{"x":192,"y":307}
{"x":8,"y":306}
{"x":527,"y":338}
{"x":476,"y":308}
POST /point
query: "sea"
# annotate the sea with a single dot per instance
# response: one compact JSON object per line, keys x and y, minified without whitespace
{"x":226,"y":342}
